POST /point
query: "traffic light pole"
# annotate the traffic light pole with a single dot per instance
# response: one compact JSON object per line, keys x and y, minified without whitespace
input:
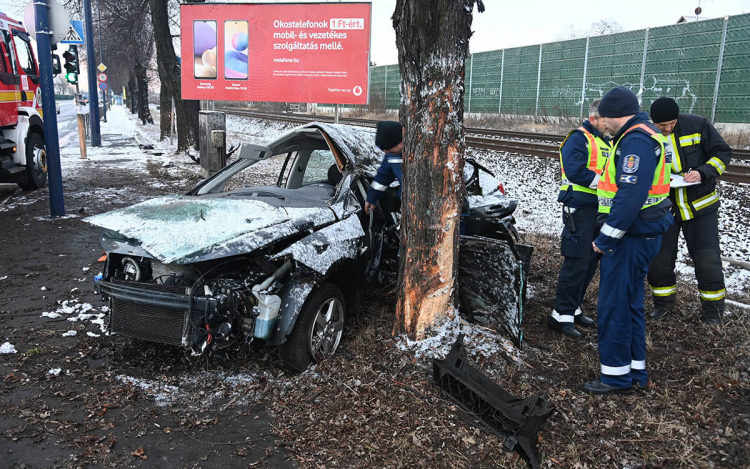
{"x":96,"y":138}
{"x":54,"y":172}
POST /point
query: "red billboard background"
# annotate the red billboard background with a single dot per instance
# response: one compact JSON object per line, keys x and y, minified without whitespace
{"x":303,"y":52}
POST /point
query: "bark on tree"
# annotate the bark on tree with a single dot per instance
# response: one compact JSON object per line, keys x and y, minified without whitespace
{"x":144,"y":114}
{"x":169,"y":75}
{"x":432,"y":37}
{"x":132,"y":94}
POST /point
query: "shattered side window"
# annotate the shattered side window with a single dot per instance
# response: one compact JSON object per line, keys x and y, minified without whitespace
{"x":317,"y":167}
{"x":263,"y":173}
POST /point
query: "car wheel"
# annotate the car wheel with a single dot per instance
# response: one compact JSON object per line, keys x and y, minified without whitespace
{"x":318,"y":329}
{"x":36,"y":163}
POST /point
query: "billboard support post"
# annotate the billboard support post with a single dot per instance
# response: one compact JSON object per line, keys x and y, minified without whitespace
{"x":336,"y":115}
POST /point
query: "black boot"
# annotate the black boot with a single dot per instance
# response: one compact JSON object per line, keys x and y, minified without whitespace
{"x":597,"y":387}
{"x":582,"y":320}
{"x":567,"y":328}
{"x":659,"y":312}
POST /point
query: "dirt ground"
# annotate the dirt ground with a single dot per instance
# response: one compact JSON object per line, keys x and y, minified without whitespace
{"x":127,"y":403}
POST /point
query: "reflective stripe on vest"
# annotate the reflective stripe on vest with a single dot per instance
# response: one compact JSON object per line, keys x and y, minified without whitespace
{"x":607,"y":188}
{"x":598,"y":153}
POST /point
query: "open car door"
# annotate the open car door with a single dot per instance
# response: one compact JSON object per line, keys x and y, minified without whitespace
{"x":492,"y":275}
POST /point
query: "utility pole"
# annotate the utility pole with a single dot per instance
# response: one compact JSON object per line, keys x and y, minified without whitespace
{"x":54,"y":172}
{"x":96,"y":138}
{"x":101,"y":57}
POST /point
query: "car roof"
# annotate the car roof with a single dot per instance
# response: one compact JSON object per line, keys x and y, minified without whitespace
{"x":356,"y":143}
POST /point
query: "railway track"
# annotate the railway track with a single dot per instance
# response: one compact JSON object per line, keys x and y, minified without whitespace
{"x":521,"y":143}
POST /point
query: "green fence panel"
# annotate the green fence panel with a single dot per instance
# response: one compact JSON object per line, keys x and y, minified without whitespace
{"x":681,"y":61}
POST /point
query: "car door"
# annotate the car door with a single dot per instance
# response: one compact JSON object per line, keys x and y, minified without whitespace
{"x":9,"y":82}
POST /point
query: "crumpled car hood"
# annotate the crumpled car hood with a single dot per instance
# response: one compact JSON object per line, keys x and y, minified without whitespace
{"x":183,"y":229}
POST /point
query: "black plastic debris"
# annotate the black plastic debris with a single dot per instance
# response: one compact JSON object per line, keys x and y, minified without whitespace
{"x":516,"y":420}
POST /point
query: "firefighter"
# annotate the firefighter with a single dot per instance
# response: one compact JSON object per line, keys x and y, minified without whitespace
{"x":700,"y":155}
{"x":582,"y":157}
{"x":389,"y":138}
{"x":634,"y":206}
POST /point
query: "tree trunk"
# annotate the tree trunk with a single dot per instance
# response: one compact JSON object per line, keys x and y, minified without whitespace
{"x":194,"y":107}
{"x":170,"y":76}
{"x":132,"y":94}
{"x":144,"y":114}
{"x":432,"y":37}
{"x":165,"y":111}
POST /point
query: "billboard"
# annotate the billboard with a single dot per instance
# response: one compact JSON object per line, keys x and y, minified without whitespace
{"x":302,"y":52}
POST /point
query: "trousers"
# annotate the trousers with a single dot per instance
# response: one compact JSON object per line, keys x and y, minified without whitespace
{"x":580,"y":260}
{"x":702,"y":238}
{"x":621,"y":318}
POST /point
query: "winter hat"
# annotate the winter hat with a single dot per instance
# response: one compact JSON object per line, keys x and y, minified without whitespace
{"x":619,"y":102}
{"x":664,"y":110}
{"x":388,"y":134}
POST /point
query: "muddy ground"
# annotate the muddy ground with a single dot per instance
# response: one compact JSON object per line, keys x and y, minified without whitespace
{"x":126,"y":403}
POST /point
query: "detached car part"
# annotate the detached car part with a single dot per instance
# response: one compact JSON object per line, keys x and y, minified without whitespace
{"x":516,"y":420}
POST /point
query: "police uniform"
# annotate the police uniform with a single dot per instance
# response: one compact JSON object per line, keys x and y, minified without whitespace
{"x":634,"y":206}
{"x":388,"y":135}
{"x":696,"y":146}
{"x":582,"y":157}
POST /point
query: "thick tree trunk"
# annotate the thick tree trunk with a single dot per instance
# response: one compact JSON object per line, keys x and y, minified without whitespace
{"x":165,"y":111}
{"x":169,"y":74}
{"x":433,"y":42}
{"x":144,"y":114}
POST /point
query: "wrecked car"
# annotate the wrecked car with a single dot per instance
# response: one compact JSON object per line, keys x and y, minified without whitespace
{"x":230,"y":263}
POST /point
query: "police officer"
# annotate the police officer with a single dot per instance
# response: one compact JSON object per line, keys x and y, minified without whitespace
{"x":634,"y":207}
{"x":389,"y":138}
{"x":582,"y":157}
{"x":700,"y":155}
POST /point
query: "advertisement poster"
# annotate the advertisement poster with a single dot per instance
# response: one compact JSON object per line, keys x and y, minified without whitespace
{"x":302,"y":52}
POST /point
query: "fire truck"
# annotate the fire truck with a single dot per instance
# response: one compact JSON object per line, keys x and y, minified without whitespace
{"x":22,"y":150}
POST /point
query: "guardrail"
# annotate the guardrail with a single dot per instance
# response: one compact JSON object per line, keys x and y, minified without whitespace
{"x":521,"y":143}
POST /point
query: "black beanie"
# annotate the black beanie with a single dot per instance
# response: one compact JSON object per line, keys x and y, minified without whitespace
{"x":664,"y":110}
{"x":388,"y":134}
{"x":619,"y":102}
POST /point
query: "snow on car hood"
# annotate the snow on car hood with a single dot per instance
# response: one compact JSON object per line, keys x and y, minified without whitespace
{"x":183,"y":229}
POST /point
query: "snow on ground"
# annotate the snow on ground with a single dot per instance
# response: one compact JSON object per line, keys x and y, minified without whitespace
{"x":535,"y":183}
{"x":478,"y":340}
{"x":80,"y":312}
{"x":7,"y":347}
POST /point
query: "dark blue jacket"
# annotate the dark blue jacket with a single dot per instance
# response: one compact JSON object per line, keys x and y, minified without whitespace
{"x":575,"y":157}
{"x":633,"y":184}
{"x":390,"y":170}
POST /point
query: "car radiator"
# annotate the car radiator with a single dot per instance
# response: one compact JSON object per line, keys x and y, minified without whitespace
{"x":148,"y":322}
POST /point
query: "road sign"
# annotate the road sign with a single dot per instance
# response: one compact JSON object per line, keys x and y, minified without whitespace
{"x":58,"y":21}
{"x":103,"y":85}
{"x":75,"y":33}
{"x":102,"y":77}
{"x":101,"y":67}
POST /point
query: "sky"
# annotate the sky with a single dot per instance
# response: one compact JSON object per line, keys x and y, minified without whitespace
{"x":507,"y":24}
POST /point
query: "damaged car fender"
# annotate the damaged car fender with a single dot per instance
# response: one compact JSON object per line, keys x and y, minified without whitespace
{"x":293,"y":297}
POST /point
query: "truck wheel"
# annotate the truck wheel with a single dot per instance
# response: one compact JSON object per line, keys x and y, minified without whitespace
{"x":36,"y":163}
{"x":318,"y":329}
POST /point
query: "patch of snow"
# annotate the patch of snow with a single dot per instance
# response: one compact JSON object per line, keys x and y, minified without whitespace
{"x":3,"y":277}
{"x":85,"y":269}
{"x":479,"y":341}
{"x":54,"y":371}
{"x":7,"y":347}
{"x":43,"y":288}
{"x":91,"y":334}
{"x":70,"y":334}
{"x":162,"y":394}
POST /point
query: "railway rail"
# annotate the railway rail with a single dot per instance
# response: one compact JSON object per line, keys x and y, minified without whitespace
{"x":521,"y":143}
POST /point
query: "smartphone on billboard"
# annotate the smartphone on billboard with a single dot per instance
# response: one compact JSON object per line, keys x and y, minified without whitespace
{"x":205,"y":56}
{"x":235,"y":50}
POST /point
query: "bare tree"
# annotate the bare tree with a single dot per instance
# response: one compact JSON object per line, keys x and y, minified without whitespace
{"x":433,"y":43}
{"x":599,"y":28}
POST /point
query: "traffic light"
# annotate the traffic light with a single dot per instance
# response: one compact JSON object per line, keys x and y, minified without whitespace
{"x":71,"y":64}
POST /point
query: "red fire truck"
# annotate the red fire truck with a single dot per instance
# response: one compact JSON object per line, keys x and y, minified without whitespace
{"x":22,"y":150}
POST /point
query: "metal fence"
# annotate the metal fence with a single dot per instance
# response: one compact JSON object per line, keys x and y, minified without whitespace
{"x":704,"y":65}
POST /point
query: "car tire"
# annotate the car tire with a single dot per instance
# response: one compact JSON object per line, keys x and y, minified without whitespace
{"x":36,"y":164}
{"x":318,"y":329}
